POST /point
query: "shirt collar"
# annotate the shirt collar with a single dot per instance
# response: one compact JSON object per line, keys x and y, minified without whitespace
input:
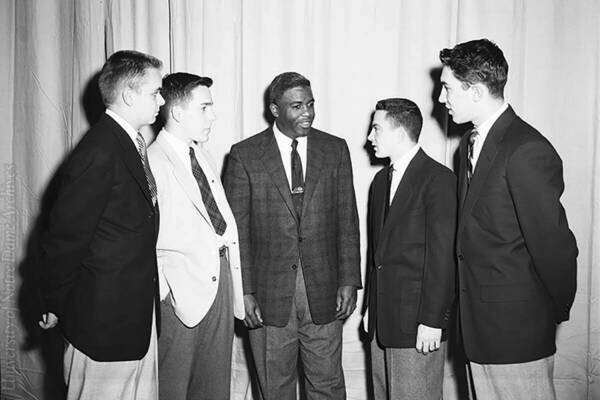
{"x":283,"y":141}
{"x":484,"y":128}
{"x":401,"y":163}
{"x":181,"y":148}
{"x":124,"y":124}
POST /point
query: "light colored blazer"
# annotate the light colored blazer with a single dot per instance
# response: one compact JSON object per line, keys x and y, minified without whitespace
{"x":187,"y":246}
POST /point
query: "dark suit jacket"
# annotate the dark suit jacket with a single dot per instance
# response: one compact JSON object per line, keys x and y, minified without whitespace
{"x":271,"y":238}
{"x":411,"y":274}
{"x":516,"y":254}
{"x":99,"y":257}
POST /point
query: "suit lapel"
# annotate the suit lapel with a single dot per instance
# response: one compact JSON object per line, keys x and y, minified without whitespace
{"x":271,"y":159}
{"x":405,"y":190}
{"x":184,"y":177}
{"x":131,"y":157}
{"x":315,"y":158}
{"x":487,"y":156}
{"x":462,"y":172}
{"x":378,"y":207}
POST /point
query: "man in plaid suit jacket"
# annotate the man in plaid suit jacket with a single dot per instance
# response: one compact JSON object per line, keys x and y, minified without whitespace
{"x":299,"y":254}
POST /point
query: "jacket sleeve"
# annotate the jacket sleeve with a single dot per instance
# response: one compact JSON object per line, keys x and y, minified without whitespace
{"x":82,"y":198}
{"x":347,"y":220}
{"x":535,"y":180}
{"x":439,"y":269}
{"x":237,"y":188}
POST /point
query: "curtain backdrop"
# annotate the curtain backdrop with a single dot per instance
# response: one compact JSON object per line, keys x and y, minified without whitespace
{"x":355,"y":52}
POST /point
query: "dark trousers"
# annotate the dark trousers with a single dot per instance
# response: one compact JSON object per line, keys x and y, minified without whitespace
{"x":276,"y":350}
{"x":195,"y":363}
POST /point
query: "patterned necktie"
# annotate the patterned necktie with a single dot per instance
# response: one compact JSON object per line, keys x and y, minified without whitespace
{"x":216,"y":218}
{"x":390,"y":175}
{"x":470,"y":166}
{"x":297,"y":179}
{"x":141,"y":148}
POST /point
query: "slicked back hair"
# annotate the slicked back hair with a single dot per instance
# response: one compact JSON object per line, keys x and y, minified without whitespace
{"x":404,"y":113}
{"x":124,"y":68}
{"x":177,"y":89}
{"x":478,"y":61}
{"x":283,"y":82}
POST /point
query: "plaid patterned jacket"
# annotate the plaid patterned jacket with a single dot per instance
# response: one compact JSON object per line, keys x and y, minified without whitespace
{"x":272,"y":240}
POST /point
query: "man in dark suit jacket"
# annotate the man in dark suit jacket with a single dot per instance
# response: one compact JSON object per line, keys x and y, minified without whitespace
{"x":516,"y":254}
{"x":412,"y":221}
{"x":299,"y":244}
{"x":99,"y":258}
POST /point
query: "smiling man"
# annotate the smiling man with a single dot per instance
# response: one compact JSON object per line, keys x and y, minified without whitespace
{"x":198,"y":254}
{"x":291,"y":191}
{"x":412,"y":220}
{"x":517,"y":263}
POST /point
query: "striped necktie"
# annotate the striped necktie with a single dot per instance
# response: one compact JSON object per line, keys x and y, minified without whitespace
{"x":215,"y":215}
{"x":141,"y":148}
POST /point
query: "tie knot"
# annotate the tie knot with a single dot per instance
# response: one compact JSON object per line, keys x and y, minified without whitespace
{"x":294,"y":144}
{"x":473,"y":136}
{"x":192,"y":153}
{"x":141,"y":142}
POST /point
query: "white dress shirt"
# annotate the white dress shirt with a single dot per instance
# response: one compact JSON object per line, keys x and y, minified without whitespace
{"x":285,"y":149}
{"x":483,"y":131}
{"x":125,"y":125}
{"x":400,"y":166}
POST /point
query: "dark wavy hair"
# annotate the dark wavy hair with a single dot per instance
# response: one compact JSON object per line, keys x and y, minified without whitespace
{"x":403,"y":112}
{"x":478,"y":61}
{"x":125,"y":67}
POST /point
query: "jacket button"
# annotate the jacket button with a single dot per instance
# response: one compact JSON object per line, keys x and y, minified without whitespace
{"x":214,"y":278}
{"x":300,"y":238}
{"x":294,"y":267}
{"x":461,"y":257}
{"x":379,"y":266}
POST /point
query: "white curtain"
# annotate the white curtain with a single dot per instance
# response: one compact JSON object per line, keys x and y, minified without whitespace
{"x":355,"y":52}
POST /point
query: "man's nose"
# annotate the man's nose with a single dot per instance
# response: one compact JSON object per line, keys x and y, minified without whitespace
{"x":442,"y":96}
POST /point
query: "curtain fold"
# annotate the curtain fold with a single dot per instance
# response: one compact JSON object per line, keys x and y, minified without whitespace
{"x":355,"y":53}
{"x":592,"y":301}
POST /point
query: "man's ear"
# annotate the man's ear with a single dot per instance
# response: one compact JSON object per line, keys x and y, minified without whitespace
{"x":127,"y":94}
{"x":274,"y":110}
{"x":404,"y":137}
{"x":175,"y":113}
{"x":479,"y":90}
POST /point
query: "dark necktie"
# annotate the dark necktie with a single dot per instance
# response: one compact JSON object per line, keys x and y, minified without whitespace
{"x":297,"y":179}
{"x":141,"y":148}
{"x":390,"y":175}
{"x":209,"y":201}
{"x":470,"y":166}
